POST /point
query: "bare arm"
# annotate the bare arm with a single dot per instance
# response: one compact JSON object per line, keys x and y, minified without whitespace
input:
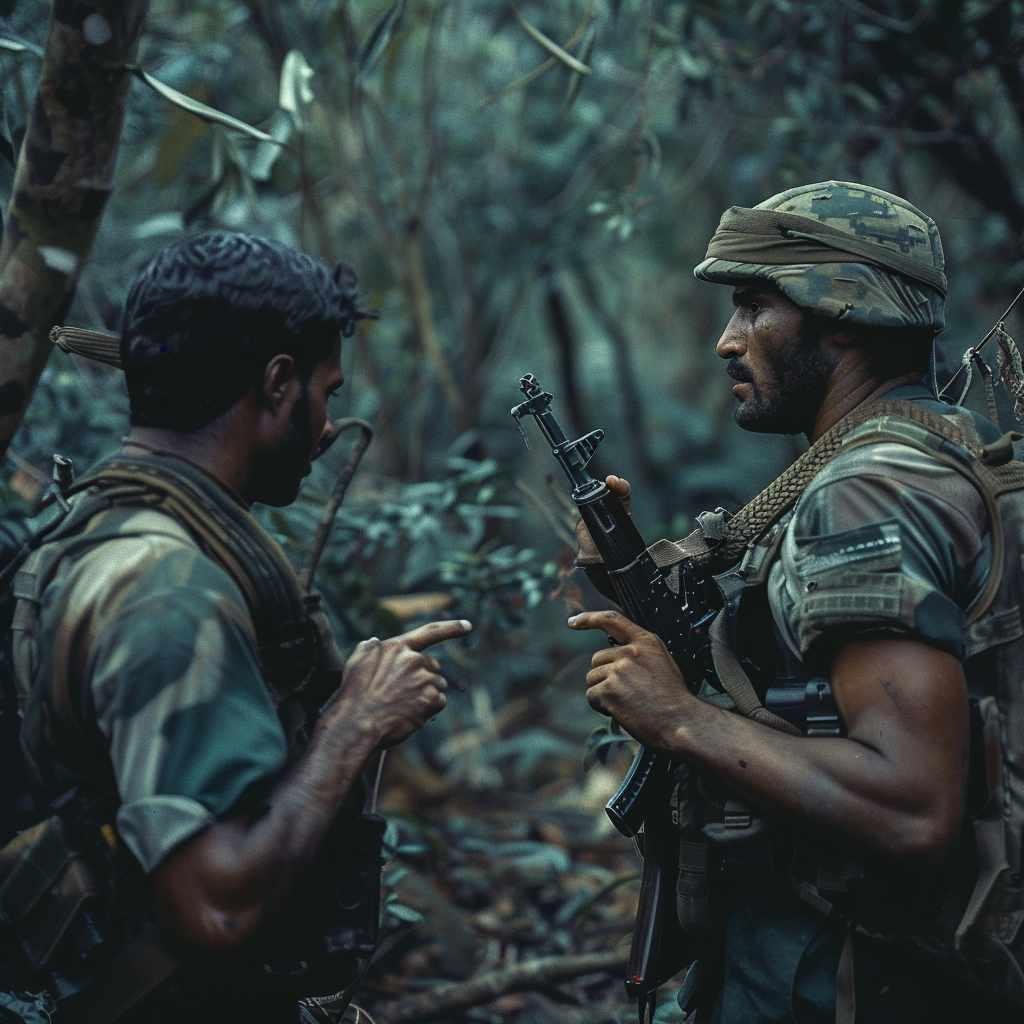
{"x":895,"y":785}
{"x":220,"y":888}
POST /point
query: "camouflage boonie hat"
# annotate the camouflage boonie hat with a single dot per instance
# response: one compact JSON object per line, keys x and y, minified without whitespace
{"x":837,"y":249}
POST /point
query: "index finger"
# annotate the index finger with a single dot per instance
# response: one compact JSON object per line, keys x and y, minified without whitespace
{"x":615,"y":624}
{"x":434,"y":632}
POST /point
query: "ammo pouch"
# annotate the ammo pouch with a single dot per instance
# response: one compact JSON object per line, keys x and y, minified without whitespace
{"x":333,"y":930}
{"x":74,"y":924}
{"x":46,"y":886}
{"x":720,"y":837}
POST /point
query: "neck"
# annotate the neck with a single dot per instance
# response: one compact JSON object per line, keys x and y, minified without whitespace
{"x":204,"y":448}
{"x":849,"y":387}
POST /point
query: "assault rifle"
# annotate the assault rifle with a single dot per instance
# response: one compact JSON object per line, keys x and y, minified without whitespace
{"x":682,"y":621}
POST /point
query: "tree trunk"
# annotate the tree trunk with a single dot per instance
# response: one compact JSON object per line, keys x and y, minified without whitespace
{"x":64,"y":177}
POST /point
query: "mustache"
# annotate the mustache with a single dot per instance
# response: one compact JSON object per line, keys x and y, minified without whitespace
{"x":738,"y":373}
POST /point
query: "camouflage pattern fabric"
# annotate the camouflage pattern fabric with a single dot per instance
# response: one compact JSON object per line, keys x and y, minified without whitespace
{"x":885,"y":540}
{"x":161,"y":641}
{"x":819,"y":275}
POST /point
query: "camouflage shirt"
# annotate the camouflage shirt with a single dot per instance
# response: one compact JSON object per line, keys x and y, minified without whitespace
{"x":157,"y":638}
{"x":886,"y":540}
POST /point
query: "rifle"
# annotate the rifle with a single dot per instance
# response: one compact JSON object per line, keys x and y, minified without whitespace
{"x":682,"y":621}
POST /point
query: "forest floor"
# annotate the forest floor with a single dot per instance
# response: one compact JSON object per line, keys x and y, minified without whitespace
{"x":505,"y":886}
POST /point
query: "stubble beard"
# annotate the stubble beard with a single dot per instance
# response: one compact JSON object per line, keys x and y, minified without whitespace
{"x":787,"y":400}
{"x":281,"y":471}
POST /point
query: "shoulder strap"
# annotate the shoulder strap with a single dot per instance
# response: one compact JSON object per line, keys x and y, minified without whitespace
{"x":220,"y":525}
{"x":759,"y":514}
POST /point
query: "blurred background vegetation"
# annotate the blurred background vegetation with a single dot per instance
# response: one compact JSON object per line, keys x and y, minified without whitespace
{"x":524,"y":189}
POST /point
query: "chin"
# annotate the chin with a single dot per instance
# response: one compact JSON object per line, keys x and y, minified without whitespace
{"x":767,"y":421}
{"x":278,"y":497}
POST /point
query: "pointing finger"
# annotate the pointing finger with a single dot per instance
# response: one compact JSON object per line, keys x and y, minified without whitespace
{"x":615,"y":624}
{"x":434,"y":632}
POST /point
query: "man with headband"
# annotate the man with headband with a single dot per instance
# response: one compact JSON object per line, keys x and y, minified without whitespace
{"x":822,"y":854}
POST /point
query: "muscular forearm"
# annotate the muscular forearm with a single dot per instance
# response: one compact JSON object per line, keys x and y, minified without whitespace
{"x":220,"y":888}
{"x":895,"y":786}
{"x":841,"y":788}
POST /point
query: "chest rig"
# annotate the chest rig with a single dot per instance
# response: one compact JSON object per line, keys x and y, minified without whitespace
{"x":84,"y":922}
{"x":973,"y":917}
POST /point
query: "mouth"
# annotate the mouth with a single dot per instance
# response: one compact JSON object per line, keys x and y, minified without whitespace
{"x":744,"y":387}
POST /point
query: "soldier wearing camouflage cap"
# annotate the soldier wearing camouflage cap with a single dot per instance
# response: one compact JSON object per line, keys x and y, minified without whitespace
{"x":848,"y":585}
{"x":840,"y":250}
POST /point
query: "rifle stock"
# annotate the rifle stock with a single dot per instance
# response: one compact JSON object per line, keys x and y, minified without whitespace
{"x":681,"y":620}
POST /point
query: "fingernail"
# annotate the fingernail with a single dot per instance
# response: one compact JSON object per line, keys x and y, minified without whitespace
{"x":572,"y":620}
{"x":465,"y":624}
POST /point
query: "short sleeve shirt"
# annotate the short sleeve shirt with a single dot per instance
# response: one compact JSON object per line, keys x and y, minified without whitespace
{"x":162,"y":639}
{"x":886,"y":540}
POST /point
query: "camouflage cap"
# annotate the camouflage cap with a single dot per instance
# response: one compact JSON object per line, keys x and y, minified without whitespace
{"x":837,"y":249}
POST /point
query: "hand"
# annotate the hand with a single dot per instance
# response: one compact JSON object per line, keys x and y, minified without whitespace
{"x":588,"y":554}
{"x":637,"y":683}
{"x":392,"y":686}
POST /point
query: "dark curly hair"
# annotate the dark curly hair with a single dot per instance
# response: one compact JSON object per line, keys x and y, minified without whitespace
{"x":206,"y":315}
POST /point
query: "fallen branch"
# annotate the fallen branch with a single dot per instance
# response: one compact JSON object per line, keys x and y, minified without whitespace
{"x":533,"y":974}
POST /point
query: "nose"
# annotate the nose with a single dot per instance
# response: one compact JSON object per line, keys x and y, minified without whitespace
{"x":733,"y":340}
{"x":327,"y":437}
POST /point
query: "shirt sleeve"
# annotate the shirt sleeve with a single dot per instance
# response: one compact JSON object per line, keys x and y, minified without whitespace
{"x":885,"y":541}
{"x":178,"y":694}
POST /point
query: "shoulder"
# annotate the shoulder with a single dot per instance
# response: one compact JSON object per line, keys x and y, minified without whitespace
{"x":890,"y":467}
{"x":130,"y":558}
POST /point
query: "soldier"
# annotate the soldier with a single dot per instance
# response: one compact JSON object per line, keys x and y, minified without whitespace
{"x":805,"y":859}
{"x":170,"y":670}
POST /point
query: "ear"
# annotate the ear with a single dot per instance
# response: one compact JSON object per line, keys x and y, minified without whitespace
{"x":838,"y":339}
{"x":280,"y":381}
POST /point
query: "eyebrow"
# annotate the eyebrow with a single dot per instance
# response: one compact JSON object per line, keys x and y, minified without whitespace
{"x":746,"y":292}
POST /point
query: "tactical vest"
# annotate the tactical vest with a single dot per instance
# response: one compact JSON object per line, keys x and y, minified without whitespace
{"x":971,"y":918}
{"x":72,"y":896}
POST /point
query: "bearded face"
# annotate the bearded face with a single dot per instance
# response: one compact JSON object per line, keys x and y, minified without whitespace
{"x":780,"y":367}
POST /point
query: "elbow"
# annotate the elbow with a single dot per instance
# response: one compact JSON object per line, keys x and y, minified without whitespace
{"x":925,"y":840}
{"x":198,"y":926}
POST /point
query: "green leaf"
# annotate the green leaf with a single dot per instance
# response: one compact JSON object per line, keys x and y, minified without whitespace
{"x":201,"y":110}
{"x":294,"y":93}
{"x":15,"y":45}
{"x":263,"y":160}
{"x":404,"y":913}
{"x":380,"y":35}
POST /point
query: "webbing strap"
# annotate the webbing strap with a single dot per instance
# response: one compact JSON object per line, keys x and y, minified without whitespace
{"x":221,"y":526}
{"x":735,"y":680}
{"x":136,"y":971}
{"x":846,"y":993}
{"x":759,"y":514}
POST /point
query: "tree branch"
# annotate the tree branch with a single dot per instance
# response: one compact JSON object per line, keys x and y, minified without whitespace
{"x":64,"y":177}
{"x":903,"y":26}
{"x":534,"y":974}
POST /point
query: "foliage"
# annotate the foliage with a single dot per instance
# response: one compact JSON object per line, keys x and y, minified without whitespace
{"x":525,"y":189}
